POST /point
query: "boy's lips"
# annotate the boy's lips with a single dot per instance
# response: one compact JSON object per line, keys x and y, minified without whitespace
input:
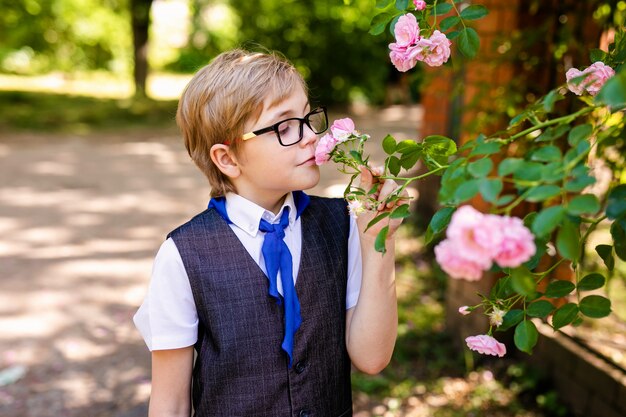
{"x":310,"y":160}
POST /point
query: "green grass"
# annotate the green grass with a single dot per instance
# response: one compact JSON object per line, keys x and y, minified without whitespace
{"x":37,"y":111}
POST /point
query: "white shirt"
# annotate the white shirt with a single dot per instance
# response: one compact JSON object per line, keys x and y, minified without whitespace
{"x":167,"y":318}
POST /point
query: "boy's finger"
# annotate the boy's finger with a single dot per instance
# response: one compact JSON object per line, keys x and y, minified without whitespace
{"x":388,"y":187}
{"x":367,"y":180}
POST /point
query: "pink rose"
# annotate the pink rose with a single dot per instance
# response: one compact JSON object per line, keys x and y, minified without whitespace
{"x":324,"y":148}
{"x":464,"y":310}
{"x":419,"y":4}
{"x":477,"y":237}
{"x":406,"y":31}
{"x":341,"y":129}
{"x":356,"y":207}
{"x":402,"y":60}
{"x":435,"y":50}
{"x":403,"y":50}
{"x":518,"y":243}
{"x":577,"y":87}
{"x":597,"y":74}
{"x":446,"y":253}
{"x":486,"y":345}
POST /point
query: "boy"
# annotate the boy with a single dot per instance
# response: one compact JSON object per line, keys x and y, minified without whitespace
{"x":279,"y":293}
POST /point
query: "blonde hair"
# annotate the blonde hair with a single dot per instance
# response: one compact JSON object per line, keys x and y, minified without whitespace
{"x":223,"y":96}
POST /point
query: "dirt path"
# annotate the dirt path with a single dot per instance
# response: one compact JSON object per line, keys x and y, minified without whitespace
{"x":80,"y":221}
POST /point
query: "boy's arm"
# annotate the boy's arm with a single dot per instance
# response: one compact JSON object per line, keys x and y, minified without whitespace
{"x":171,"y":383}
{"x":372,"y":325}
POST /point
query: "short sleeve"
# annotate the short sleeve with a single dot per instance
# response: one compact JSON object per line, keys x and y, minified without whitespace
{"x":355,"y":266}
{"x":167,"y":318}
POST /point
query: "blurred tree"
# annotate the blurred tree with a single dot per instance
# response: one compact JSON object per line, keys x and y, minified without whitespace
{"x":327,"y":42}
{"x":37,"y":36}
{"x":140,"y":23}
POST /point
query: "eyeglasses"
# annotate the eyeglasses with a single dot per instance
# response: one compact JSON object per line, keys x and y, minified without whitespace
{"x":290,"y":131}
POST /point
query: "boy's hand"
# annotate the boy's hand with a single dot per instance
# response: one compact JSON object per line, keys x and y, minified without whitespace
{"x":385,"y":188}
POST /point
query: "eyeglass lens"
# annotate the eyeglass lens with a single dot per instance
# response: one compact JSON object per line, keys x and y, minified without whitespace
{"x":290,"y":131}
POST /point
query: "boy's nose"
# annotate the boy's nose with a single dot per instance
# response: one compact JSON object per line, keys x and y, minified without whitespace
{"x":308,"y":135}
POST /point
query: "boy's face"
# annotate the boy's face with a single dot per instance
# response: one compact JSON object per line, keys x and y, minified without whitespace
{"x":270,"y":170}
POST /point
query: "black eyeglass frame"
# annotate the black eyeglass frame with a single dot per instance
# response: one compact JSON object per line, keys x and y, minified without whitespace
{"x":304,"y":120}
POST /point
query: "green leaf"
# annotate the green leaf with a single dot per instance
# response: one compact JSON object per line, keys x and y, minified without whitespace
{"x":377,"y":219}
{"x":490,"y":189}
{"x":529,"y":171}
{"x":466,"y":191}
{"x":579,"y":133}
{"x":505,"y":199}
{"x":606,"y":253}
{"x":616,"y":204}
{"x":552,"y":97}
{"x":469,"y":42}
{"x":511,"y":318}
{"x":408,"y":146}
{"x":547,"y":220}
{"x":568,"y":241}
{"x":579,"y":183}
{"x":591,"y":282}
{"x":439,"y":145}
{"x":449,"y":22}
{"x":548,"y":153}
{"x":441,"y":219}
{"x":442,"y":8}
{"x":474,"y":12}
{"x":402,"y":4}
{"x":564,"y":315}
{"x":381,"y":238}
{"x":540,"y":308}
{"x":526,"y":336}
{"x":480,"y":168}
{"x":382,"y":4}
{"x":619,"y":240}
{"x":453,"y":34}
{"x":400,"y":212}
{"x":509,"y":165}
{"x":394,"y":165}
{"x":552,"y":172}
{"x":392,"y":25}
{"x":542,"y":193}
{"x":389,"y":145}
{"x":486,"y":148}
{"x":519,"y":118}
{"x":379,"y":22}
{"x":597,"y":55}
{"x":583,"y":204}
{"x":559,"y":288}
{"x":595,"y":306}
{"x":357,"y":157}
{"x":552,"y":133}
{"x":523,"y":282}
{"x":613,"y":93}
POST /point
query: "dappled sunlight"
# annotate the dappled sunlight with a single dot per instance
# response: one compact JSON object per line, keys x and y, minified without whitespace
{"x":159,"y":86}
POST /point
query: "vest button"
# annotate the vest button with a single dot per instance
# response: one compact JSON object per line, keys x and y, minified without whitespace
{"x":299,"y":368}
{"x":305,"y":413}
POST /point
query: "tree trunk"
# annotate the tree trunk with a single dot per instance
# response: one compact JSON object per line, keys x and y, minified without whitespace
{"x":140,"y":21}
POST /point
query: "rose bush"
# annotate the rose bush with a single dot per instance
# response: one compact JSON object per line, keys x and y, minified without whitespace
{"x":554,"y":174}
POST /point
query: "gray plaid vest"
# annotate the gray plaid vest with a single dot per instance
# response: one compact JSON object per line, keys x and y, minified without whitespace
{"x":241,"y":370}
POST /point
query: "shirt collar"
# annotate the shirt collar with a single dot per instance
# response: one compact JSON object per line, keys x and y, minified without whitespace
{"x":247,"y":215}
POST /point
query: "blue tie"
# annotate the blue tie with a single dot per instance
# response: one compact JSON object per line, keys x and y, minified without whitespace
{"x":278,"y":258}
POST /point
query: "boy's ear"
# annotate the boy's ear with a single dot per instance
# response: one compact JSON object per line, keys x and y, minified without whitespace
{"x":225,"y":160}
